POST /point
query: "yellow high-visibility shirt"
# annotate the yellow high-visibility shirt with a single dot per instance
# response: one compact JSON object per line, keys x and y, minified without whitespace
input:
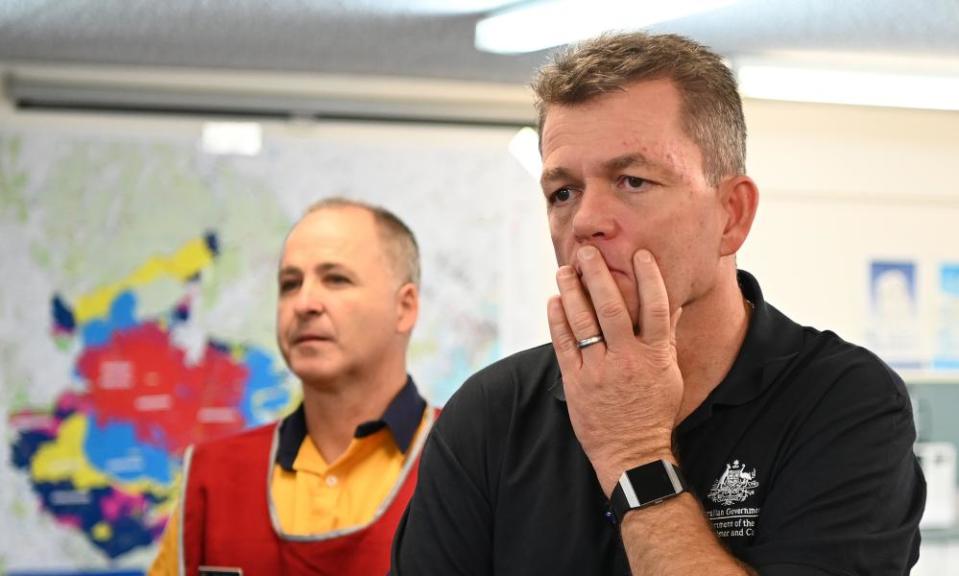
{"x":310,"y":496}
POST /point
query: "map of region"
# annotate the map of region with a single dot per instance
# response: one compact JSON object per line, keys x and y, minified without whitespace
{"x":104,"y":461}
{"x":138,"y":289}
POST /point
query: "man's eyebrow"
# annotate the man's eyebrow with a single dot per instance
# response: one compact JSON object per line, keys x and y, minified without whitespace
{"x":551,"y":174}
{"x":628,"y":160}
{"x":320,"y":268}
{"x":613,"y":165}
{"x":330,"y":266}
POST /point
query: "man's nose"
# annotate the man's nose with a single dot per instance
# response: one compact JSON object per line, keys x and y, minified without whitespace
{"x":309,"y":300}
{"x":594,"y":217}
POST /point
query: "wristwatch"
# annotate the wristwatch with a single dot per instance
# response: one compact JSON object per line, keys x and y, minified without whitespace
{"x":646,"y":485}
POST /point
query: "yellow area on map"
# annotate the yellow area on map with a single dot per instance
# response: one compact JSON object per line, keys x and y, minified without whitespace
{"x":65,"y":459}
{"x":182,"y":264}
{"x":102,"y":531}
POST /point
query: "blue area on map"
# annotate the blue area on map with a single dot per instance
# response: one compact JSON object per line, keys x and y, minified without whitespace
{"x":127,"y":532}
{"x":219,"y":346}
{"x":96,"y":333}
{"x":122,"y":317}
{"x":263,"y":396}
{"x":212,"y":242}
{"x":156,"y":436}
{"x":62,"y":412}
{"x":117,"y":442}
{"x":181,"y":313}
{"x":27,"y":444}
{"x":62,"y":314}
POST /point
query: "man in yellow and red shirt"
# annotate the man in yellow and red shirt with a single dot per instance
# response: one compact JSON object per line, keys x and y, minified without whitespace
{"x":321,"y":491}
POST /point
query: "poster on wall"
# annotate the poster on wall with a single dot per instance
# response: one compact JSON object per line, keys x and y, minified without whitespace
{"x":138,"y":295}
{"x":947,"y":337}
{"x":893,"y":326}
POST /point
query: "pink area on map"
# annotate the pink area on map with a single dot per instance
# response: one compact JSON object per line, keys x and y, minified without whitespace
{"x":74,"y":402}
{"x":35,"y":421}
{"x":119,"y":504}
{"x":70,"y":520}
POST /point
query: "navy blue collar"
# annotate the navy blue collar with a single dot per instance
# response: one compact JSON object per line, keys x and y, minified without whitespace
{"x":402,"y":418}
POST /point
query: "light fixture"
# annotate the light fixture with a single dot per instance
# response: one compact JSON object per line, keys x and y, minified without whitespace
{"x":238,"y":138}
{"x":864,"y":87}
{"x":546,"y":23}
{"x":524,"y":146}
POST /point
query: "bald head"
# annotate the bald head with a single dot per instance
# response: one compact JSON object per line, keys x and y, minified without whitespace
{"x":399,"y":243}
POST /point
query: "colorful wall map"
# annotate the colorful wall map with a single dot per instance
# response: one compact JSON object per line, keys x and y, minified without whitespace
{"x":137,"y":303}
{"x":105,"y":459}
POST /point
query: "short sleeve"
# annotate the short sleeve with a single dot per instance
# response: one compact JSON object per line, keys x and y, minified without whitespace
{"x":850,"y":492}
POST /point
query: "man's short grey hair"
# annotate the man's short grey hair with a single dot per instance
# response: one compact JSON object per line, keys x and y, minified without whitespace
{"x":400,"y":242}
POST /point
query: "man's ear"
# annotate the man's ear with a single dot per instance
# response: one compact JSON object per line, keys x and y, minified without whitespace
{"x":740,"y":198}
{"x":407,"y":307}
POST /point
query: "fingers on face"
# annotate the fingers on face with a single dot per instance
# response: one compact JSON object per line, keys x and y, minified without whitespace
{"x":655,"y":322}
{"x":577,"y":309}
{"x":562,"y":336}
{"x":606,"y":300}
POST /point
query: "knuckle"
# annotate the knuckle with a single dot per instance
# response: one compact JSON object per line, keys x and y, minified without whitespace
{"x":582,"y":321}
{"x":609,"y":310}
{"x":566,"y":344}
{"x":659,"y":313}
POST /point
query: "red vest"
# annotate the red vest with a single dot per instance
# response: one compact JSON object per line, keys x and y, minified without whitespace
{"x":226,"y":518}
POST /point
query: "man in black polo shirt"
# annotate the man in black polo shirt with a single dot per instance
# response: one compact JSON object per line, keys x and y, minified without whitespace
{"x":678,"y":424}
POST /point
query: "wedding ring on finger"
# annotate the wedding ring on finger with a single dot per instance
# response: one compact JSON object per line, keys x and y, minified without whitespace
{"x":587,"y":342}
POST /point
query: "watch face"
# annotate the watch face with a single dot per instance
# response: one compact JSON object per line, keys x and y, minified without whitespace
{"x":651,"y":480}
{"x":647,"y":484}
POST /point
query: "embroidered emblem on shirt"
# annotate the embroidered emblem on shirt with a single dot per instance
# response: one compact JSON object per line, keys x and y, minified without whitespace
{"x":735,"y":485}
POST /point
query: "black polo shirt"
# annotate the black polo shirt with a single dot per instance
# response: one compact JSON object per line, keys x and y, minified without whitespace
{"x":801,"y":457}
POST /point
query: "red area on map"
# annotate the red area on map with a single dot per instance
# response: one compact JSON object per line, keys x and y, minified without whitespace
{"x":140,"y":377}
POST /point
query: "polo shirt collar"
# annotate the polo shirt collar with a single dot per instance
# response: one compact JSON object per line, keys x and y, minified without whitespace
{"x":402,"y":417}
{"x":772,"y":340}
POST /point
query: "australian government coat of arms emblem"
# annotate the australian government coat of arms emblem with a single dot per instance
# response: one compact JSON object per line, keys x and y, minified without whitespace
{"x":735,"y":485}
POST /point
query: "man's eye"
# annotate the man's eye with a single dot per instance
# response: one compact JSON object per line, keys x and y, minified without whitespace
{"x":560,"y":196}
{"x":287,"y":285}
{"x":633,"y":181}
{"x":337,"y":279}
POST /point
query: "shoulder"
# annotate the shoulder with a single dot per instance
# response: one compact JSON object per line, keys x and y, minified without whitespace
{"x":491,"y":402}
{"x":497,"y":412}
{"x":847,"y":367}
{"x":513,"y":381}
{"x":836,"y":381}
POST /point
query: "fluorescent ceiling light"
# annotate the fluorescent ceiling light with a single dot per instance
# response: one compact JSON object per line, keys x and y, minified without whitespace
{"x":835,"y":86}
{"x":240,"y":138}
{"x":547,"y":23}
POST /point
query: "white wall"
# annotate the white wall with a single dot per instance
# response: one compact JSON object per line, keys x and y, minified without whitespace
{"x":841,"y":185}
